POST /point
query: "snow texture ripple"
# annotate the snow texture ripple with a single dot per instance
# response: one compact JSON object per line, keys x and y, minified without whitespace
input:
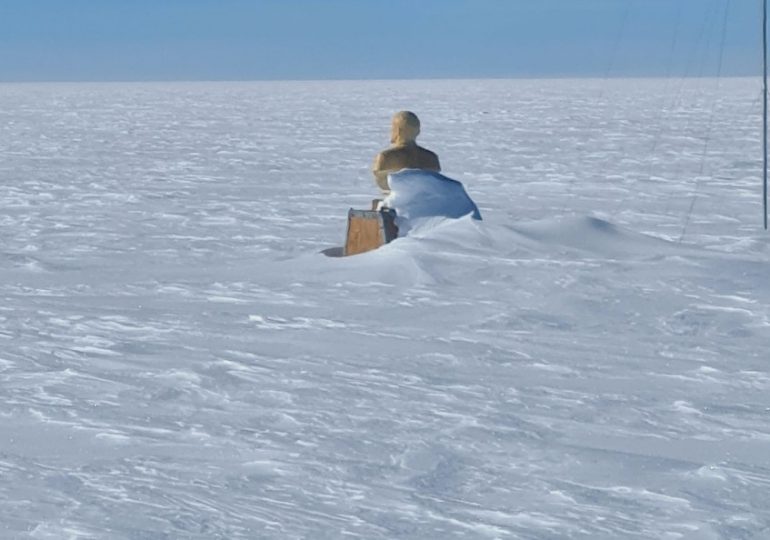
{"x":177,"y":360}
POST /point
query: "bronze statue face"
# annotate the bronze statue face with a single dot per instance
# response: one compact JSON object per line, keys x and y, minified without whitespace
{"x":405,"y":128}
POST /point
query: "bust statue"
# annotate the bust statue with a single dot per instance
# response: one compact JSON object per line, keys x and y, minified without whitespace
{"x":404,"y":152}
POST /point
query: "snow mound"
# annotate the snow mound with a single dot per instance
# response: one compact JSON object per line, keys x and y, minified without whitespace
{"x":594,"y":235}
{"x":417,"y":194}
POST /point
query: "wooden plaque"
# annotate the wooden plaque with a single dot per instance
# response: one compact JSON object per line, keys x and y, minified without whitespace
{"x":369,"y":229}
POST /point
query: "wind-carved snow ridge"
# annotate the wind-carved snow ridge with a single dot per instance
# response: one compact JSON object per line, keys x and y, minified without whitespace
{"x":593,"y":234}
{"x":416,"y":194}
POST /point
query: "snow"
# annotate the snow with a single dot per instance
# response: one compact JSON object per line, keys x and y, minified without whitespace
{"x":418,"y":196}
{"x":178,"y":360}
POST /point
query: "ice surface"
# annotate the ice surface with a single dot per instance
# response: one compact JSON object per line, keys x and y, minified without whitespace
{"x":177,"y":360}
{"x":418,"y":195}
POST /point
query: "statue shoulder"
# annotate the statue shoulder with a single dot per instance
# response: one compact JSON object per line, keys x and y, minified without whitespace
{"x":431,"y":159}
{"x":384,"y":159}
{"x":429,"y":152}
{"x":388,"y":152}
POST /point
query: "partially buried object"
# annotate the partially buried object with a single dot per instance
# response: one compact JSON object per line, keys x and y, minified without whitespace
{"x":370,"y":229}
{"x":414,"y":171}
{"x":415,"y":196}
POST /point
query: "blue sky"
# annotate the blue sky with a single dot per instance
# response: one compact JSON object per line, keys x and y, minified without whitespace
{"x":364,"y":39}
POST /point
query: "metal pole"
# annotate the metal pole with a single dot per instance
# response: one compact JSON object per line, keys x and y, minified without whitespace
{"x":764,"y":116}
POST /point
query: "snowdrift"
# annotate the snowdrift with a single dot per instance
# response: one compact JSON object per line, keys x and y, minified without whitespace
{"x":417,"y":194}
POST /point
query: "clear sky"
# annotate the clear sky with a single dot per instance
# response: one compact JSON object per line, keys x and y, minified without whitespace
{"x":364,"y":39}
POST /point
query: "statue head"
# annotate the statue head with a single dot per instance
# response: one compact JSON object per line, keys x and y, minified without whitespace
{"x":405,"y":128}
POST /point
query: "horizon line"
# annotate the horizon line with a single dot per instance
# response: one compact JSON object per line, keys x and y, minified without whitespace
{"x":381,"y":79}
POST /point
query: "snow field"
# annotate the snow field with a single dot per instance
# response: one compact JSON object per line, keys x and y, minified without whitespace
{"x":177,"y":360}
